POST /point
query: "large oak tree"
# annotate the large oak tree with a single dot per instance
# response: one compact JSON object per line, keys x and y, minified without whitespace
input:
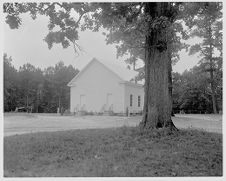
{"x":153,"y":21}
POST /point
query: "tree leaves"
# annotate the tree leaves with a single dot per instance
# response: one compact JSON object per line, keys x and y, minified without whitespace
{"x":40,"y":89}
{"x":61,"y":16}
{"x":207,"y":24}
{"x":191,"y":91}
{"x":13,"y":21}
{"x":127,"y":22}
{"x":195,"y":49}
{"x":54,"y":37}
{"x":69,"y":35}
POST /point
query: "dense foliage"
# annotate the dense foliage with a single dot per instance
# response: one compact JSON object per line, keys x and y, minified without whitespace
{"x":192,"y":91}
{"x":208,"y":27}
{"x":200,"y":89}
{"x":43,"y":90}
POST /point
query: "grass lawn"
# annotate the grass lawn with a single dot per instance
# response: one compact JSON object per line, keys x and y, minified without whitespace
{"x":113,"y":152}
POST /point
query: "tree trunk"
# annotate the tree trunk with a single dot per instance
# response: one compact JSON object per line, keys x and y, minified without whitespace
{"x":170,"y":82}
{"x":59,"y":104}
{"x":157,"y":100}
{"x":212,"y":83}
{"x":27,"y":103}
{"x":134,"y":65}
{"x":213,"y":95}
{"x":37,"y":102}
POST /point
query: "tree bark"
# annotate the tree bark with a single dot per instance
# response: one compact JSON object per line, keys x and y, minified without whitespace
{"x":157,"y":99}
{"x":59,"y":103}
{"x":213,"y":94}
{"x":212,"y":82}
{"x":170,"y":81}
{"x":37,"y":103}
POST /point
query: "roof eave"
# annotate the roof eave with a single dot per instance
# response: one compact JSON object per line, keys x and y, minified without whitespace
{"x":131,"y":83}
{"x":71,"y":85}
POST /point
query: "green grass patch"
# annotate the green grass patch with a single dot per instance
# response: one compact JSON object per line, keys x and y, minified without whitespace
{"x":113,"y":152}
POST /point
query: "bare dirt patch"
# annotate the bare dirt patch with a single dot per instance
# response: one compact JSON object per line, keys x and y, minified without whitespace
{"x":30,"y":123}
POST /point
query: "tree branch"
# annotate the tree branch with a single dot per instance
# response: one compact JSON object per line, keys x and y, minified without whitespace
{"x":55,"y":3}
{"x":80,"y":17}
{"x":49,"y":6}
{"x":136,"y":46}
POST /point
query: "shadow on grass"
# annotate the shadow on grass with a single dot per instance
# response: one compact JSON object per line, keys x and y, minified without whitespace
{"x":113,"y":152}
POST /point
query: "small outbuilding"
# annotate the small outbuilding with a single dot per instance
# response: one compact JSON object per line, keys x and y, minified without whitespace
{"x":102,"y":87}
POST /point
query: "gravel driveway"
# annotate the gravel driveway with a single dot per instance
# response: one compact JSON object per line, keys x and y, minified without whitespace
{"x":20,"y":123}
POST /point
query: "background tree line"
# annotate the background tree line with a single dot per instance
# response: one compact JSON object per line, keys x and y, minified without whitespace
{"x":47,"y":90}
{"x":43,"y":90}
{"x":192,"y":91}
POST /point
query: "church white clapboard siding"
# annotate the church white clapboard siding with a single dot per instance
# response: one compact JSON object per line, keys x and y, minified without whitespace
{"x":103,"y":87}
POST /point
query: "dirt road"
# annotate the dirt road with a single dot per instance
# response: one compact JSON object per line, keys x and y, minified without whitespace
{"x":20,"y":123}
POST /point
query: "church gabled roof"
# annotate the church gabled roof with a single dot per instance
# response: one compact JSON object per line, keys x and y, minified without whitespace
{"x":123,"y":73}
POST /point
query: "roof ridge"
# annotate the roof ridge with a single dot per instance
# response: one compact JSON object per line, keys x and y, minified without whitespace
{"x":121,"y":72}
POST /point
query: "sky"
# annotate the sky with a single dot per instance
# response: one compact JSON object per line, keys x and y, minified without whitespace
{"x":26,"y":45}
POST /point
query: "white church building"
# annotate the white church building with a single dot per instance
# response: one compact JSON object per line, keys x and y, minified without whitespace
{"x":103,"y":87}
